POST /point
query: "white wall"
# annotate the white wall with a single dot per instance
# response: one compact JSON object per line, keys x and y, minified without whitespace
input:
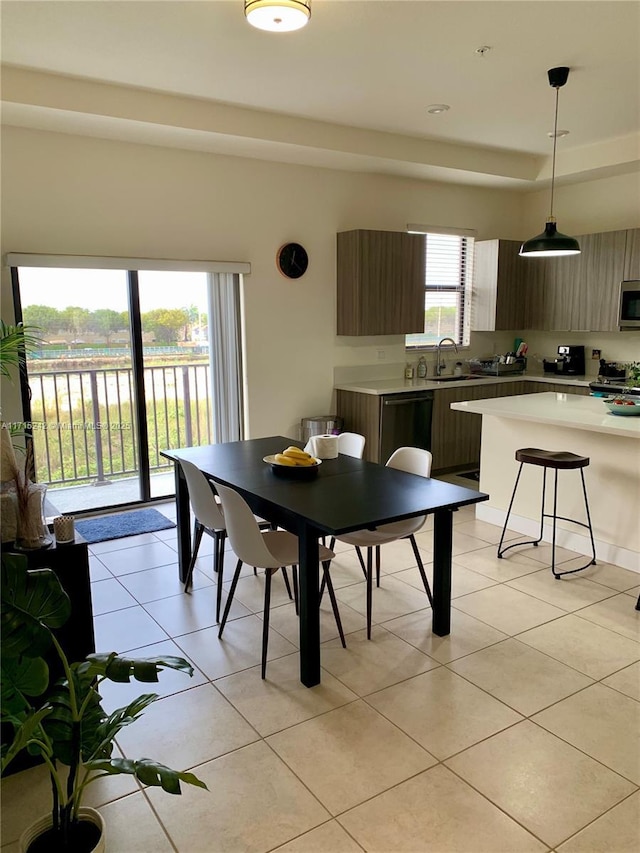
{"x":608,"y":204}
{"x":78,"y":195}
{"x":75,"y":195}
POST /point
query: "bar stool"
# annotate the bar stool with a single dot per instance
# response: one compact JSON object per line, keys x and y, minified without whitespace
{"x":565,"y":461}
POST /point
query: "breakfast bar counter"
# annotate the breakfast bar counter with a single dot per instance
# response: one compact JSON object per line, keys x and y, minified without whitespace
{"x":582,"y":425}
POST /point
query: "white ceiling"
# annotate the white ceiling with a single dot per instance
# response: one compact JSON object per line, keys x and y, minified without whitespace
{"x":370,"y":65}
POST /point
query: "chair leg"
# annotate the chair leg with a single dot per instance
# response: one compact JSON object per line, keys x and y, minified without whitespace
{"x":334,"y":604}
{"x":364,"y":568}
{"x":592,"y":561}
{"x":197,"y":538}
{"x":219,"y":568}
{"x":232,"y":591}
{"x":332,"y":543}
{"x":533,"y":542}
{"x":377,"y":565}
{"x":423,"y":574}
{"x":286,"y":581}
{"x":296,"y":598}
{"x":369,"y":590}
{"x":265,"y":619}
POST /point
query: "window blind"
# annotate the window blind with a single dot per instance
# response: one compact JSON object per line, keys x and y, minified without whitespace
{"x":448,"y":276}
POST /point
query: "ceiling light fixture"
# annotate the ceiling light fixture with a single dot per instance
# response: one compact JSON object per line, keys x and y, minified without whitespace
{"x":277,"y":15}
{"x":436,"y":109}
{"x":551,"y":243}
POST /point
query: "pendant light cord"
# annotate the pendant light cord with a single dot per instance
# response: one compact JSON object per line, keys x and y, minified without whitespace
{"x":553,"y":162}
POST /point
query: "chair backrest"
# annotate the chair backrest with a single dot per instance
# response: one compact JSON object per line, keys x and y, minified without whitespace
{"x":203,"y":501}
{"x":413,"y":460}
{"x":243,"y":532}
{"x":351,"y":444}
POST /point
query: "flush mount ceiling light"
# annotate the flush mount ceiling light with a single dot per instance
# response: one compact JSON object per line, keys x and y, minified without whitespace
{"x":436,"y":109}
{"x":551,"y":243}
{"x":277,"y":15}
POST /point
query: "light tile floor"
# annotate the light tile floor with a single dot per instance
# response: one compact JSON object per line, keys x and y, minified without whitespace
{"x":518,"y":732}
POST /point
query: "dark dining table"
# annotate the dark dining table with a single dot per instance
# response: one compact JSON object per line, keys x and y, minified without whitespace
{"x":347,"y":494}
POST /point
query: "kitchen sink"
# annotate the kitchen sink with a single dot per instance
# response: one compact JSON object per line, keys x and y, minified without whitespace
{"x":456,"y":378}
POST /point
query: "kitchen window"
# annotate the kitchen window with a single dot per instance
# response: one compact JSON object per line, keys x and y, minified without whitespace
{"x":448,"y":278}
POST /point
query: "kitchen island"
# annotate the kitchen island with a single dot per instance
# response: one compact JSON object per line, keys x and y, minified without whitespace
{"x":582,"y":425}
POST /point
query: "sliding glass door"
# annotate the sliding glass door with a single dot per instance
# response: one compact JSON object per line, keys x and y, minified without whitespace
{"x":176,"y":367}
{"x":132,"y":361}
{"x":82,"y":398}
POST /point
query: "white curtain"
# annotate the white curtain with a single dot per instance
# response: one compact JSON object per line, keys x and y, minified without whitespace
{"x":225,"y":355}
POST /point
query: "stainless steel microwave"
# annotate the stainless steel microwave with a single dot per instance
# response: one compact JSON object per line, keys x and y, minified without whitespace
{"x":629,"y":316}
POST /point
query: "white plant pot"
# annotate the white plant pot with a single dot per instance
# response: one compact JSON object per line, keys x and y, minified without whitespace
{"x":45,"y":822}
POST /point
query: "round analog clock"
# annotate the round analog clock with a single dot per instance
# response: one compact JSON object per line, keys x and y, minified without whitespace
{"x":292,"y":260}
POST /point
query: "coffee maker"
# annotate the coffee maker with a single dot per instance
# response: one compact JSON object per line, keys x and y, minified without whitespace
{"x":570,"y":360}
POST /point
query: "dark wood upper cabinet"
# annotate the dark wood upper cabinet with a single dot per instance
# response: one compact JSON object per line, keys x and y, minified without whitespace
{"x":595,"y":293}
{"x":380,"y":282}
{"x":578,"y":293}
{"x":498,"y":302}
{"x":632,"y":255}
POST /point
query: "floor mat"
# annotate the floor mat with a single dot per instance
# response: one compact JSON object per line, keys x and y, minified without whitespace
{"x":107,"y":527}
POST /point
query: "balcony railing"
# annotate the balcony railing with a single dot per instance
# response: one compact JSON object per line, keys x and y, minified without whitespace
{"x":83,"y":421}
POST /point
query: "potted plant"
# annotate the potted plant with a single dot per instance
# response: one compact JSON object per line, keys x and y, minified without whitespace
{"x":22,"y":518}
{"x":64,"y":723}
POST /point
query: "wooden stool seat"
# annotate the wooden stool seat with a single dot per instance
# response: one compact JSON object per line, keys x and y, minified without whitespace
{"x":561,"y":460}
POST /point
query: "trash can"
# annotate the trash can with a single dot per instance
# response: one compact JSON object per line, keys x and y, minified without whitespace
{"x":320,"y":425}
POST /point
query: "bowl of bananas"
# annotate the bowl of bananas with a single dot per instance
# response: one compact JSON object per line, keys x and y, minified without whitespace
{"x":293,"y":464}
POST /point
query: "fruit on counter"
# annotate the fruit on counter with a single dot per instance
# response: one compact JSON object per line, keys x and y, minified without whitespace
{"x":620,"y":402}
{"x":295,"y":456}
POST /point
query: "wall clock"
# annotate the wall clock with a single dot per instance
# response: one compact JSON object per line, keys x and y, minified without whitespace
{"x":292,"y":260}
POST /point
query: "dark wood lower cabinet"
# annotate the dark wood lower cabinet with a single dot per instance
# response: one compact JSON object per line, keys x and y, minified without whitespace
{"x":455,"y":436}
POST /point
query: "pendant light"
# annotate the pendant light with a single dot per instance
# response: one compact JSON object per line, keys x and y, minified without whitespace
{"x":277,"y":15}
{"x":551,"y":243}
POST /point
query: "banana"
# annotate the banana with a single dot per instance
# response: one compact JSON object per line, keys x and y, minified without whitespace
{"x":296,"y":453}
{"x":281,"y":459}
{"x":304,"y":463}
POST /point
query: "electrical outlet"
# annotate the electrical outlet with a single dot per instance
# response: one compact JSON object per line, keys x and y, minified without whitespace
{"x":381,"y":354}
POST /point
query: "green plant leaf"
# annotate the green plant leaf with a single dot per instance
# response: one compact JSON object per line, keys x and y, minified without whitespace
{"x":122,"y":669}
{"x":149,"y":772}
{"x":33,"y":601}
{"x":15,"y":342}
{"x":22,"y":677}
{"x":23,"y":737}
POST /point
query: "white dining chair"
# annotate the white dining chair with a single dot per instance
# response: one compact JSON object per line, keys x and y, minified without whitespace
{"x":209,"y":518}
{"x":268,"y":550}
{"x":413,"y":460}
{"x":351,"y":444}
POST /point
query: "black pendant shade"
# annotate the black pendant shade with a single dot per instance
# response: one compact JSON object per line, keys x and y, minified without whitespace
{"x":551,"y":243}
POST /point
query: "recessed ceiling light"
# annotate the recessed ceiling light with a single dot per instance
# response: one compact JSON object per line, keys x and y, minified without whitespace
{"x":436,"y":109}
{"x":558,"y":134}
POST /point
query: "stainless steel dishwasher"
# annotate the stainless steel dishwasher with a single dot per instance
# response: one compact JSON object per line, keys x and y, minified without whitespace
{"x":405,"y":421}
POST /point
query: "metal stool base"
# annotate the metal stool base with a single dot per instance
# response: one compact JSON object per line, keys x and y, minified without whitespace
{"x":553,"y":515}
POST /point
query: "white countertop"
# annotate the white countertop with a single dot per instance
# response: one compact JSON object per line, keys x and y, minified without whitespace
{"x":399,"y":386}
{"x":565,"y":410}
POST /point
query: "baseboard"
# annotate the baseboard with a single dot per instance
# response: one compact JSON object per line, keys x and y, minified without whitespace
{"x":605,"y":551}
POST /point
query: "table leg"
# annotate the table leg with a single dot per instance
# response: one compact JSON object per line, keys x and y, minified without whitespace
{"x":309,"y":607}
{"x":442,"y":544}
{"x":183,"y":521}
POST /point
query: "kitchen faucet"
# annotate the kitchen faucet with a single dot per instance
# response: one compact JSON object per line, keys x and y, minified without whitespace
{"x":438,"y":365}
